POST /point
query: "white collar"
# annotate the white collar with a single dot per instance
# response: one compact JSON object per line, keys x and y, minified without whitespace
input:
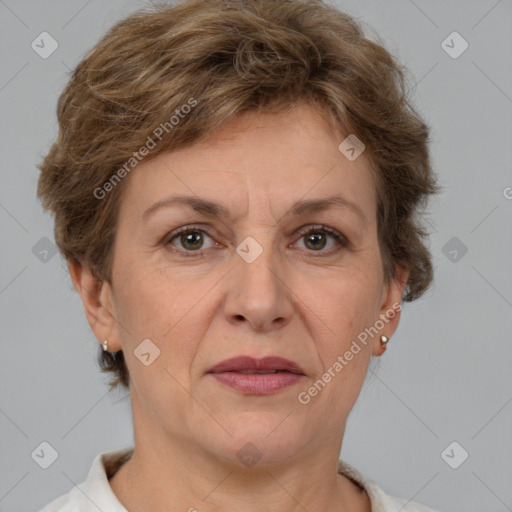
{"x":95,"y":493}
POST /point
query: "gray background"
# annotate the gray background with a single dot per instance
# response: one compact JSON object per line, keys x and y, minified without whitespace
{"x":446,"y":375}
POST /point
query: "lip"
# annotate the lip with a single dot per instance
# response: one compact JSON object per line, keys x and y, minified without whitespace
{"x":246,"y":363}
{"x":231,"y":373}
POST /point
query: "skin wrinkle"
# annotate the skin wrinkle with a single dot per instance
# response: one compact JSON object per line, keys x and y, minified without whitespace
{"x":119,"y":102}
{"x":199,"y":311}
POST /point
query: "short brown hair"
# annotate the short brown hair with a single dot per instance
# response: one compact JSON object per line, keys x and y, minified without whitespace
{"x":231,"y":56}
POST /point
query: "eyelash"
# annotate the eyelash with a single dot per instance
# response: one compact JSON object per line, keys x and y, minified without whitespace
{"x":340,"y":239}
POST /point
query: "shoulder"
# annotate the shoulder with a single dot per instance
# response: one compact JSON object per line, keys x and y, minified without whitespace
{"x":392,"y":503}
{"x":380,"y":500}
{"x":57,"y":505}
{"x":72,"y":501}
{"x":95,"y":492}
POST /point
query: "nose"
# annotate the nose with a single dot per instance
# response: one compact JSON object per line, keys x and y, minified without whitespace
{"x":257,"y":294}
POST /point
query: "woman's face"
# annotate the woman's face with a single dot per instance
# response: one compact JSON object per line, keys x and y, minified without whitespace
{"x":248,"y":282}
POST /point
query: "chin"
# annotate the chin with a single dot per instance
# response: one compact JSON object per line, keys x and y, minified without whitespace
{"x":260,"y":439}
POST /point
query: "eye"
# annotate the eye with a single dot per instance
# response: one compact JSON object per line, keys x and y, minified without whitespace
{"x":190,"y":238}
{"x":316,"y":239}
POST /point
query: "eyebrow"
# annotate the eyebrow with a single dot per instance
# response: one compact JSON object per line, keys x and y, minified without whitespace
{"x":211,"y":209}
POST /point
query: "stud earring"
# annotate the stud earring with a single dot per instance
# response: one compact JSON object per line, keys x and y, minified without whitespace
{"x":105,"y":346}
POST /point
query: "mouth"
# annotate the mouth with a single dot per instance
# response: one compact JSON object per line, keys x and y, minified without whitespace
{"x":257,"y":376}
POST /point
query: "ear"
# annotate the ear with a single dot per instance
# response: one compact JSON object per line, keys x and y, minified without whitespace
{"x":391,"y":306}
{"x":97,"y":300}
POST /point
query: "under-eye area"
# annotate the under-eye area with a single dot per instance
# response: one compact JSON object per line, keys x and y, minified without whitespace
{"x":241,"y":223}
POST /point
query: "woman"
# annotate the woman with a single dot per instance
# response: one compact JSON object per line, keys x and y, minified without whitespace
{"x":235,"y":187}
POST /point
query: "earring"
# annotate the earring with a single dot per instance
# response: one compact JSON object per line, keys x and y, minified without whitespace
{"x":384,"y":342}
{"x":105,"y":346}
{"x":383,"y":339}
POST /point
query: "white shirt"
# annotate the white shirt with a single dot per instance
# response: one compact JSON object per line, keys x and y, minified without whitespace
{"x":95,"y":493}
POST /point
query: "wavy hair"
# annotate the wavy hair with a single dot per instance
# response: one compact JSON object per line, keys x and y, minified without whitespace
{"x":232,"y":56}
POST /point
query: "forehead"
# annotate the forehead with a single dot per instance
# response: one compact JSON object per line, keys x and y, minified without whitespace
{"x":265,"y":162}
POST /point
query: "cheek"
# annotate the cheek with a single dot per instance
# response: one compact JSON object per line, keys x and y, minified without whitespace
{"x":347,"y":301}
{"x":344,"y":358}
{"x":151,"y":306}
{"x":148,"y":299}
{"x":336,"y":312}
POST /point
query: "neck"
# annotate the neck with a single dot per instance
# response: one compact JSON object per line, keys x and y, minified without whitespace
{"x":158,"y":481}
{"x":168,"y":471}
